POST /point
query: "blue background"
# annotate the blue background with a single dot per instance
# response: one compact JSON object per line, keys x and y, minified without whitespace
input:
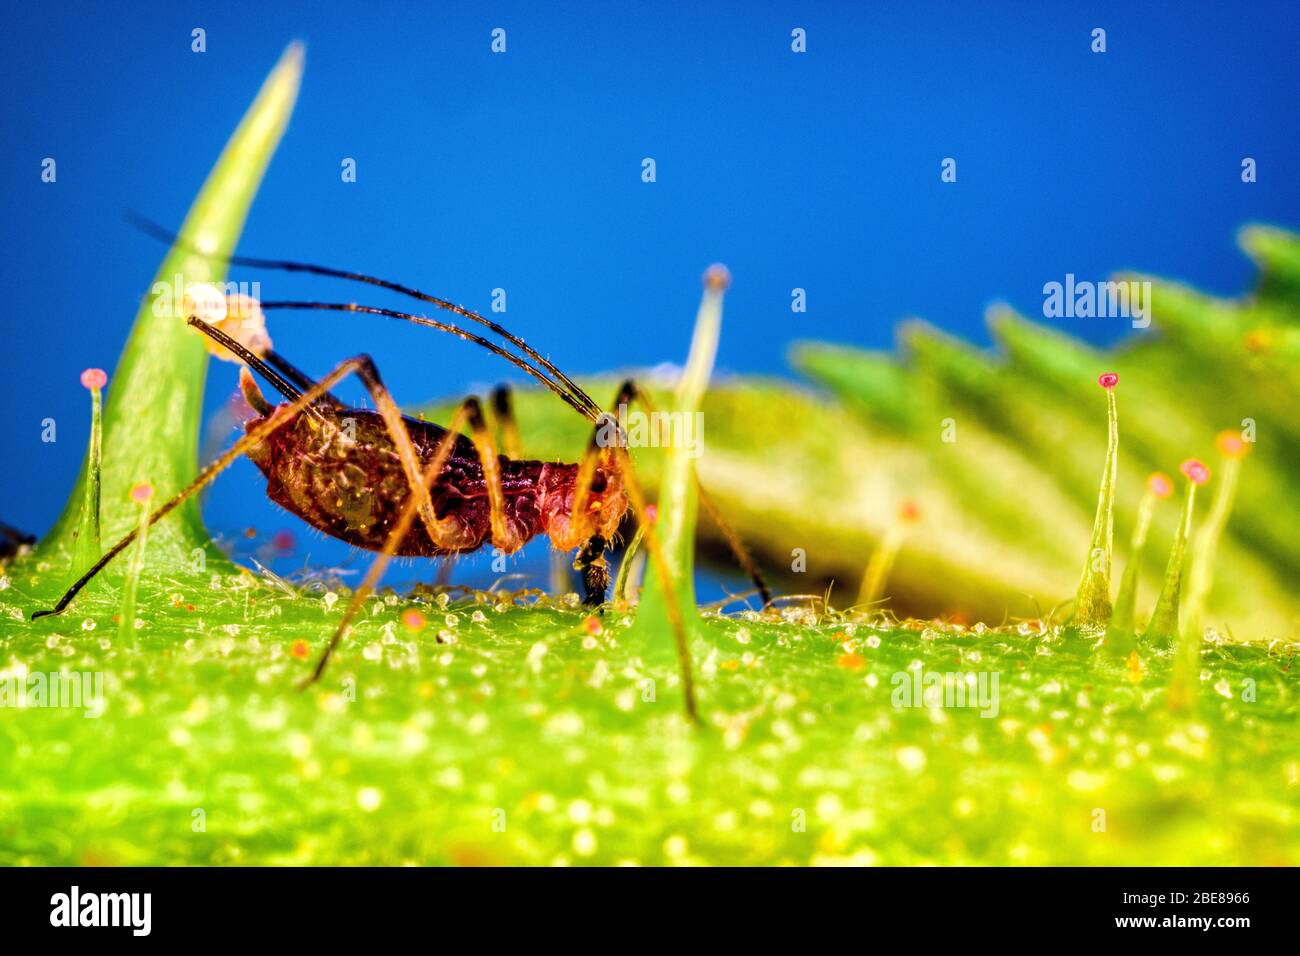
{"x":523,"y":171}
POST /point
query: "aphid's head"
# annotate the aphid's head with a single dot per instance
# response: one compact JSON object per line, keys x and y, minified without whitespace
{"x":606,"y":505}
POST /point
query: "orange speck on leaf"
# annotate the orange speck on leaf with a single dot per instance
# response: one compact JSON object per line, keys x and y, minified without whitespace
{"x":851,"y":662}
{"x":299,"y":649}
{"x":413,"y":621}
{"x":1134,"y":667}
{"x":591,"y":624}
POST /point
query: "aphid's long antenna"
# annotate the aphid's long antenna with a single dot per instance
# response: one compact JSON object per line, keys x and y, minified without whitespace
{"x":578,"y":401}
{"x":295,"y":374}
{"x":285,"y":265}
{"x":285,"y":388}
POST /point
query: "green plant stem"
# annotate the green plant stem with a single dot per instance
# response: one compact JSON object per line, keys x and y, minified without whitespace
{"x":1163,"y":626}
{"x":625,"y":567}
{"x":674,"y":528}
{"x":1120,"y":632}
{"x":1092,"y":604}
{"x":87,"y":549}
{"x":131,"y":584}
{"x":878,"y":567}
{"x":1200,"y":573}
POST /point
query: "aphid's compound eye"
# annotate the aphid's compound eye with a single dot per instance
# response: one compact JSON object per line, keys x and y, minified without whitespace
{"x":598,"y":483}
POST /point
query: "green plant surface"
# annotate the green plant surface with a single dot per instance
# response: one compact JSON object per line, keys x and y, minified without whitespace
{"x":421,"y":747}
{"x":464,"y":727}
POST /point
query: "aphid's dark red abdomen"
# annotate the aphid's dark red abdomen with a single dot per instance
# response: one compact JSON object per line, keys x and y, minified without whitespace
{"x":339,"y":471}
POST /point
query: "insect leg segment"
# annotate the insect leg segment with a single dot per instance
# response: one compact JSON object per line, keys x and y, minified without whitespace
{"x":505,"y":416}
{"x":395,"y":536}
{"x":673,"y":607}
{"x":609,"y":445}
{"x":503,"y":535}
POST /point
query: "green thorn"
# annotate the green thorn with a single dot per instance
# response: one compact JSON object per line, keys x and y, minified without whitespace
{"x":1092,"y":603}
{"x":151,"y":419}
{"x":87,"y":548}
{"x":1200,"y":574}
{"x":1163,"y":626}
{"x":1121,"y":634}
{"x":674,"y":523}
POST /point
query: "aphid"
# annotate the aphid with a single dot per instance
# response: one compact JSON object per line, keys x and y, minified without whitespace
{"x":401,"y":486}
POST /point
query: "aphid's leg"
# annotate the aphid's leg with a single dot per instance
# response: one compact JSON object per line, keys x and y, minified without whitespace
{"x":734,"y":544}
{"x":440,"y":531}
{"x":608,"y":445}
{"x":257,"y":434}
{"x":590,"y":563}
{"x":395,"y":536}
{"x":503,"y":536}
{"x":501,"y":406}
{"x":675,"y":618}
